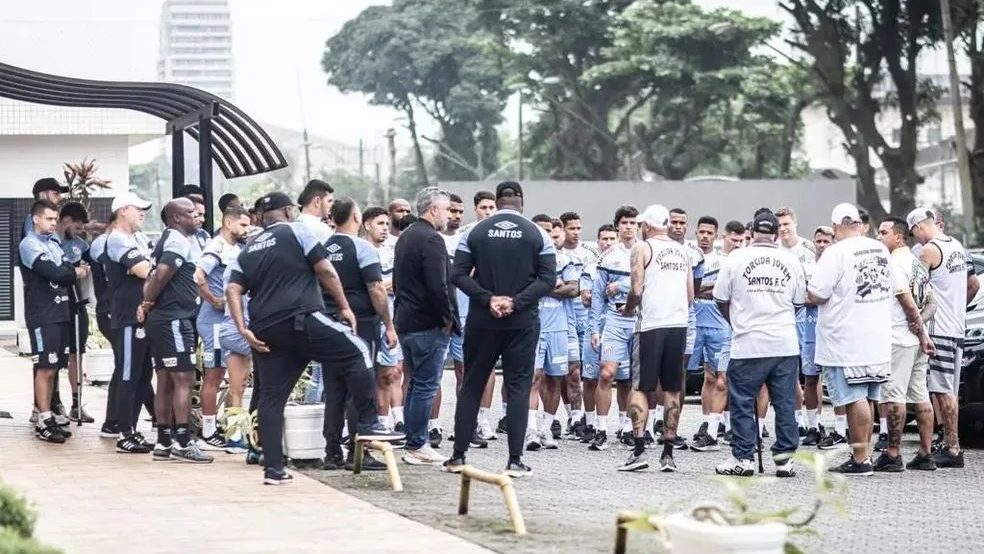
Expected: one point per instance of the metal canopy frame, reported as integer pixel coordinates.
(225, 134)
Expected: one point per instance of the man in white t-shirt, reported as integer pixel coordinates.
(911, 349)
(853, 287)
(758, 290)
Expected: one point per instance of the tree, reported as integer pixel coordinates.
(967, 16)
(863, 58)
(708, 101)
(426, 55)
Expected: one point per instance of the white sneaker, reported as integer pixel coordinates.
(423, 456)
(532, 440)
(732, 466)
(547, 441)
(485, 432)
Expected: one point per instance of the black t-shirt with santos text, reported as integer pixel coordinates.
(179, 298)
(276, 267)
(357, 263)
(123, 252)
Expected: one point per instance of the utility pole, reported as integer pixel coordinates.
(391, 182)
(963, 163)
(307, 157)
(519, 136)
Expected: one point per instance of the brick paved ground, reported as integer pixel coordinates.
(570, 502)
(92, 500)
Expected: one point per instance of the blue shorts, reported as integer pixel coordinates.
(551, 353)
(590, 359)
(575, 334)
(456, 348)
(211, 347)
(386, 357)
(843, 393)
(616, 346)
(725, 358)
(708, 343)
(808, 351)
(231, 342)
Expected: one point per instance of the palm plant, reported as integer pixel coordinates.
(82, 181)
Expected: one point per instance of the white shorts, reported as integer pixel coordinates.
(907, 383)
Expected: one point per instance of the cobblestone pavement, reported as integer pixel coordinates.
(570, 502)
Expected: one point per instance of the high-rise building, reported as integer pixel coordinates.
(196, 45)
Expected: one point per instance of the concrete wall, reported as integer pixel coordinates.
(26, 158)
(596, 201)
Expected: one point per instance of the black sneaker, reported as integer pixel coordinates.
(501, 427)
(379, 432)
(453, 465)
(50, 432)
(658, 427)
(576, 431)
(802, 431)
(400, 427)
(600, 441)
(888, 464)
(556, 430)
(131, 444)
(650, 440)
(679, 443)
(76, 413)
(253, 457)
(812, 437)
(478, 442)
(945, 458)
(939, 444)
(109, 431)
(854, 469)
(634, 463)
(435, 437)
(214, 443)
(588, 435)
(627, 438)
(368, 462)
(720, 431)
(143, 440)
(162, 453)
(881, 444)
(333, 462)
(728, 437)
(667, 464)
(276, 477)
(704, 442)
(517, 470)
(831, 441)
(922, 462)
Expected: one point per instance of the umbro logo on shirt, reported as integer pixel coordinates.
(505, 230)
(506, 225)
(262, 237)
(334, 247)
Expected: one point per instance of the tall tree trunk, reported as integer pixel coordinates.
(421, 169)
(977, 116)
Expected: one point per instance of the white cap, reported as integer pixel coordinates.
(917, 216)
(129, 199)
(656, 216)
(845, 211)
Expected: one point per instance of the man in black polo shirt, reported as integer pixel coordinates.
(514, 265)
(46, 275)
(169, 307)
(281, 269)
(356, 261)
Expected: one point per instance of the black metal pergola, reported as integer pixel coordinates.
(225, 134)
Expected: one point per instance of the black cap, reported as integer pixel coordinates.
(185, 190)
(502, 188)
(765, 222)
(273, 201)
(47, 183)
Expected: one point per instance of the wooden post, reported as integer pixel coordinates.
(505, 484)
(621, 533)
(387, 450)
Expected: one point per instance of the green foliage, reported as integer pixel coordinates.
(13, 543)
(81, 180)
(15, 515)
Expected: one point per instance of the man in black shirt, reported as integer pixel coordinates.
(356, 261)
(281, 269)
(426, 315)
(514, 265)
(127, 264)
(46, 275)
(169, 307)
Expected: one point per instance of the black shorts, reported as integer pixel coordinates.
(657, 359)
(83, 331)
(132, 352)
(49, 346)
(173, 344)
(368, 330)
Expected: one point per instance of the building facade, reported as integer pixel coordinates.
(196, 45)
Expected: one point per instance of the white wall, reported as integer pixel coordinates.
(24, 159)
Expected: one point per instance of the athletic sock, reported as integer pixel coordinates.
(650, 421)
(546, 420)
(623, 420)
(398, 414)
(639, 447)
(659, 413)
(883, 425)
(726, 418)
(576, 415)
(386, 421)
(667, 448)
(208, 425)
(531, 421)
(567, 410)
(712, 427)
(812, 419)
(800, 418)
(761, 427)
(602, 423)
(42, 417)
(483, 416)
(182, 435)
(840, 425)
(432, 424)
(163, 435)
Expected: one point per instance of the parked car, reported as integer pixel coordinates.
(972, 377)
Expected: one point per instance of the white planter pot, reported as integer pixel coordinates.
(24, 342)
(689, 536)
(98, 365)
(247, 396)
(303, 431)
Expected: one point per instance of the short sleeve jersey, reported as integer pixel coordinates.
(553, 311)
(123, 252)
(580, 256)
(179, 298)
(97, 252)
(613, 267)
(45, 301)
(357, 263)
(276, 268)
(706, 310)
(213, 262)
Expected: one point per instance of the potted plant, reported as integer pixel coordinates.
(739, 528)
(99, 360)
(304, 423)
(81, 180)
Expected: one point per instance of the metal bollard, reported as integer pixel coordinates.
(387, 450)
(505, 484)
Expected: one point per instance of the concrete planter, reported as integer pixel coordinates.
(689, 536)
(98, 366)
(303, 431)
